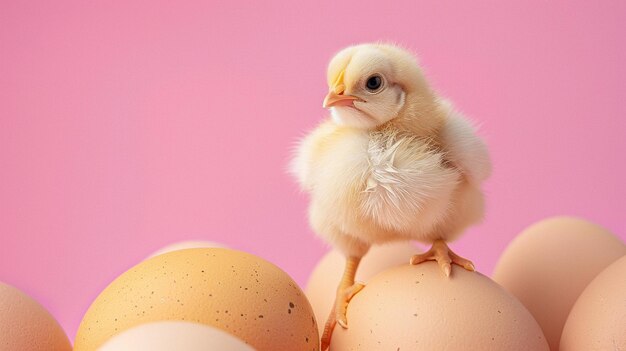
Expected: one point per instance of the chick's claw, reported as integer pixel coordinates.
(341, 303)
(338, 314)
(462, 261)
(441, 253)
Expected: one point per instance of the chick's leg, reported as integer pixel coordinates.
(441, 253)
(346, 290)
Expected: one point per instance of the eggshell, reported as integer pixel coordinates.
(237, 292)
(598, 319)
(26, 325)
(325, 278)
(550, 263)
(168, 336)
(419, 308)
(190, 244)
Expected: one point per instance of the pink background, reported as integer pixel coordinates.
(128, 126)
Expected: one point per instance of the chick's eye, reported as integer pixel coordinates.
(374, 83)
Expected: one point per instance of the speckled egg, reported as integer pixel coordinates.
(550, 263)
(189, 244)
(598, 319)
(174, 335)
(323, 282)
(26, 325)
(237, 292)
(419, 308)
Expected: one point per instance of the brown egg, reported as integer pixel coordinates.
(26, 325)
(419, 308)
(550, 263)
(598, 319)
(237, 292)
(323, 282)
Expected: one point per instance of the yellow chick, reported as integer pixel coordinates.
(393, 162)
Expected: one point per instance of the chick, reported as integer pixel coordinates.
(393, 162)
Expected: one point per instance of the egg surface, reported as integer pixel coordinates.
(26, 325)
(168, 336)
(598, 319)
(419, 308)
(325, 278)
(237, 292)
(550, 263)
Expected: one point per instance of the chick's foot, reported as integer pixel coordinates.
(441, 253)
(338, 313)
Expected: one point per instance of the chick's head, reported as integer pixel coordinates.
(372, 84)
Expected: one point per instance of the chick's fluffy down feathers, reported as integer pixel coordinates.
(371, 187)
(464, 148)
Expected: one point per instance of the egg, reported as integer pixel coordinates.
(419, 308)
(26, 325)
(168, 336)
(323, 282)
(231, 290)
(189, 244)
(598, 319)
(550, 263)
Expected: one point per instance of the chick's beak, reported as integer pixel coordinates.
(335, 99)
(336, 95)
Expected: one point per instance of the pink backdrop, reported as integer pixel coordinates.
(127, 126)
